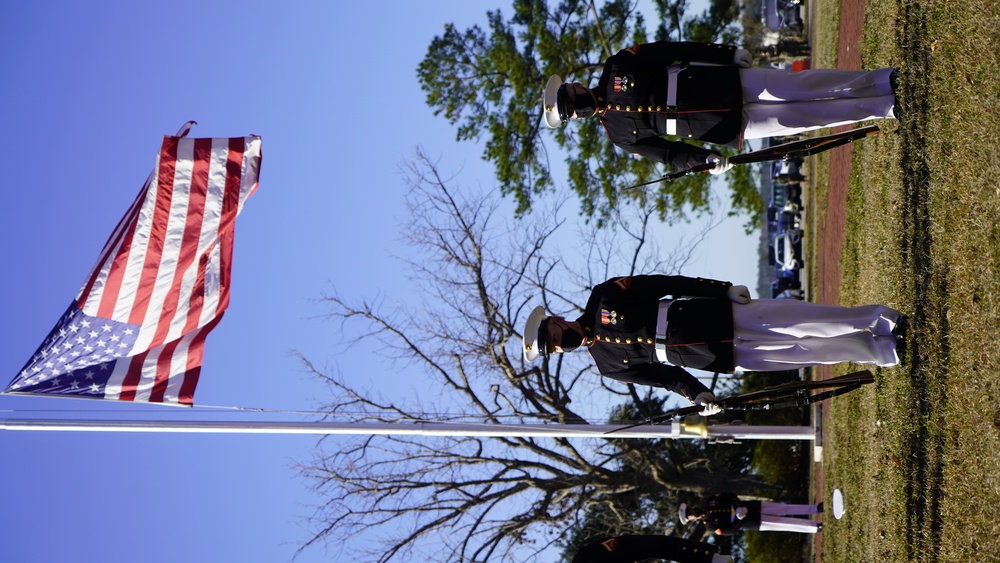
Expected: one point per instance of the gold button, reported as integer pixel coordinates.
(640, 108)
(634, 132)
(659, 108)
(609, 106)
(628, 341)
(628, 108)
(618, 339)
(625, 360)
(618, 106)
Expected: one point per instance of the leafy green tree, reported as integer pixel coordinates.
(488, 82)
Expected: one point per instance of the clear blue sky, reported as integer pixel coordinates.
(88, 89)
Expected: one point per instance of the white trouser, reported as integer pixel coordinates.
(784, 524)
(780, 102)
(775, 334)
(773, 517)
(782, 509)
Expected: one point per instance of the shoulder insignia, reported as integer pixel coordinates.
(623, 282)
(610, 545)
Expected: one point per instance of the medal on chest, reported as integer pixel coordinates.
(622, 84)
(609, 317)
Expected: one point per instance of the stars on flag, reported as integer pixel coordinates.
(72, 361)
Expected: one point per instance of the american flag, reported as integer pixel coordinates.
(136, 331)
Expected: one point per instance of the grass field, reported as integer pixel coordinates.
(918, 454)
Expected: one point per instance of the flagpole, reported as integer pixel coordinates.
(676, 430)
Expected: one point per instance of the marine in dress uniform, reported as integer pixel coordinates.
(708, 92)
(629, 549)
(725, 514)
(646, 329)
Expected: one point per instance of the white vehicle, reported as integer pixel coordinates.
(784, 250)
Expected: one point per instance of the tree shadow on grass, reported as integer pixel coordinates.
(927, 343)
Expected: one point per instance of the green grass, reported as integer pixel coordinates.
(918, 455)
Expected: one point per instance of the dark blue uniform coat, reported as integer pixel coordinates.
(620, 324)
(632, 100)
(720, 514)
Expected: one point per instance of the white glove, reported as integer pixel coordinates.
(742, 58)
(706, 400)
(721, 164)
(716, 558)
(738, 294)
(742, 512)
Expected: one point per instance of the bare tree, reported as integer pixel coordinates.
(486, 499)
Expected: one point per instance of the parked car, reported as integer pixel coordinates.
(787, 243)
(786, 287)
(784, 252)
(787, 171)
(780, 15)
(787, 278)
(786, 198)
(784, 219)
(790, 294)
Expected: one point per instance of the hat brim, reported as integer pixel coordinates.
(530, 334)
(550, 102)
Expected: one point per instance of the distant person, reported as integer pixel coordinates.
(725, 513)
(637, 334)
(708, 92)
(630, 549)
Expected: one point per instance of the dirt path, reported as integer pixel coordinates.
(852, 19)
(831, 244)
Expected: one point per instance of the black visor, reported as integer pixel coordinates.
(562, 102)
(543, 338)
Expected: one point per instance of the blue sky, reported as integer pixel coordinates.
(88, 91)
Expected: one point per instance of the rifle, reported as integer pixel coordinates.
(785, 395)
(794, 149)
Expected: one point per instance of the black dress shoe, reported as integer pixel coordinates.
(902, 327)
(897, 110)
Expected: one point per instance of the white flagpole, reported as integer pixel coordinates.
(677, 429)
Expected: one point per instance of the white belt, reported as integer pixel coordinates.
(672, 73)
(661, 330)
